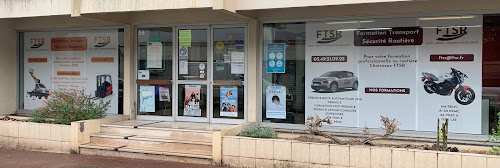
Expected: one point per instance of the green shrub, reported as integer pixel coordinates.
(495, 137)
(258, 132)
(66, 106)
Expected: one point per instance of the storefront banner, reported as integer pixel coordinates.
(147, 99)
(71, 60)
(332, 72)
(276, 102)
(164, 93)
(154, 53)
(387, 72)
(192, 100)
(457, 44)
(396, 68)
(275, 57)
(229, 101)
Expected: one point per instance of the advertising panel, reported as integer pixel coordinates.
(276, 102)
(449, 74)
(147, 99)
(192, 100)
(411, 69)
(229, 101)
(71, 60)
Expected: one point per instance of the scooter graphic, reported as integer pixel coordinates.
(444, 85)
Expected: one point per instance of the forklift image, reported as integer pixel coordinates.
(40, 89)
(104, 86)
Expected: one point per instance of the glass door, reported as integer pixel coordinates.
(193, 73)
(229, 69)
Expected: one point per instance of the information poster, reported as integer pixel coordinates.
(275, 57)
(276, 102)
(185, 38)
(451, 51)
(237, 62)
(147, 98)
(192, 100)
(154, 54)
(164, 93)
(410, 69)
(229, 101)
(143, 74)
(71, 60)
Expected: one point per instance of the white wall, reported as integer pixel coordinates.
(30, 8)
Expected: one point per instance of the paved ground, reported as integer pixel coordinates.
(29, 159)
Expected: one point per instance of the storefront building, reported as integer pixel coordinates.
(268, 62)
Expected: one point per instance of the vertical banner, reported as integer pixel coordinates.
(192, 100)
(387, 65)
(229, 101)
(450, 74)
(164, 93)
(147, 99)
(275, 57)
(276, 102)
(331, 72)
(71, 60)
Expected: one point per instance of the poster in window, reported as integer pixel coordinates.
(192, 100)
(276, 102)
(185, 38)
(164, 93)
(71, 60)
(147, 98)
(154, 55)
(275, 57)
(229, 101)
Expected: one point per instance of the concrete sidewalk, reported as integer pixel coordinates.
(12, 158)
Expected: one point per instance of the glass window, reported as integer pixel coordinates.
(293, 35)
(491, 64)
(160, 70)
(195, 66)
(229, 69)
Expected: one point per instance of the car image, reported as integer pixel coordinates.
(335, 80)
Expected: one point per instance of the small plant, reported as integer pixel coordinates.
(442, 134)
(66, 106)
(258, 132)
(495, 137)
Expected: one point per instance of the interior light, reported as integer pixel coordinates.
(451, 26)
(351, 22)
(449, 17)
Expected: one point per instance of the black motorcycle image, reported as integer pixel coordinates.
(444, 85)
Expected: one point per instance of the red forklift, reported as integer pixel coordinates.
(104, 86)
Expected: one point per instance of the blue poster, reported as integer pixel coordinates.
(276, 57)
(147, 96)
(229, 101)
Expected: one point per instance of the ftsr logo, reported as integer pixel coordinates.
(328, 36)
(37, 42)
(450, 33)
(102, 41)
